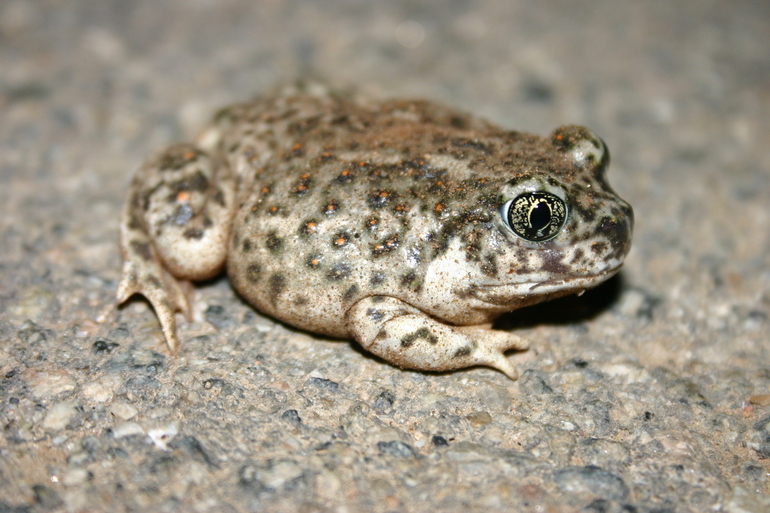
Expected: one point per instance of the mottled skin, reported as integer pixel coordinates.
(385, 222)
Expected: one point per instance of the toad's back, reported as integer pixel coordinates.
(341, 201)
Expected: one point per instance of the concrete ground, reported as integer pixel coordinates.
(648, 394)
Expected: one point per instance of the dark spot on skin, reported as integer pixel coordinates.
(313, 261)
(598, 247)
(303, 185)
(276, 285)
(331, 208)
(340, 240)
(459, 122)
(193, 233)
(386, 245)
(423, 333)
(339, 272)
(340, 120)
(618, 234)
(155, 281)
(462, 142)
(179, 156)
(273, 242)
(378, 299)
(377, 279)
(578, 256)
(143, 249)
(309, 227)
(411, 281)
(350, 293)
(246, 245)
(489, 265)
(301, 301)
(588, 215)
(181, 215)
(463, 351)
(252, 272)
(381, 335)
(303, 126)
(197, 182)
(374, 314)
(372, 223)
(401, 209)
(345, 177)
(135, 223)
(137, 197)
(379, 199)
(219, 197)
(552, 262)
(297, 150)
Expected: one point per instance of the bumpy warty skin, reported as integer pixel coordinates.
(388, 222)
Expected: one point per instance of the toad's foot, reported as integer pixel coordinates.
(407, 337)
(175, 228)
(166, 294)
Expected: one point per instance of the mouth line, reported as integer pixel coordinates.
(533, 286)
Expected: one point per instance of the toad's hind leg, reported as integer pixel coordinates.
(407, 337)
(174, 229)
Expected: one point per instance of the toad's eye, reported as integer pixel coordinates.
(535, 216)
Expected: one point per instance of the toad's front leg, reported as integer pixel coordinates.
(407, 337)
(174, 229)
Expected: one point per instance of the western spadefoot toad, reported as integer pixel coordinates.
(405, 225)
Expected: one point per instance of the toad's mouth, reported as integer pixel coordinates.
(535, 291)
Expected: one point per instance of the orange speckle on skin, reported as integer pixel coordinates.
(439, 207)
(189, 155)
(265, 189)
(273, 209)
(304, 176)
(340, 241)
(183, 196)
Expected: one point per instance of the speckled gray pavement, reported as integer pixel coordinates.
(648, 394)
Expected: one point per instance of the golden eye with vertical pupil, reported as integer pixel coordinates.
(535, 216)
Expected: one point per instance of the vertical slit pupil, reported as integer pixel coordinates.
(540, 215)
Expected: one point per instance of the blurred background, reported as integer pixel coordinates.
(665, 389)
